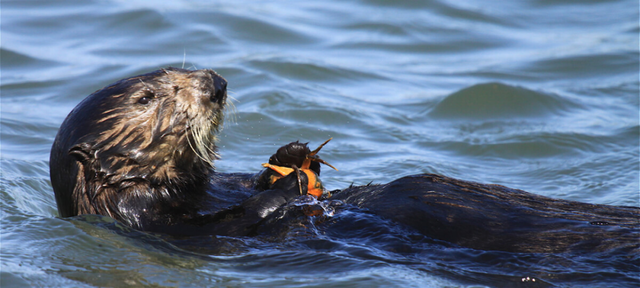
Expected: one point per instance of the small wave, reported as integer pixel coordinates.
(304, 69)
(581, 66)
(498, 101)
(15, 60)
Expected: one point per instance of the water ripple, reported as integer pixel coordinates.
(538, 95)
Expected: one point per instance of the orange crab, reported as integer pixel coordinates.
(314, 187)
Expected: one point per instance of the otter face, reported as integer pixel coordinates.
(162, 125)
(155, 130)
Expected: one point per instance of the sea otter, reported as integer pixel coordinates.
(141, 151)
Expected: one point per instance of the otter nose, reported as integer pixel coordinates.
(214, 84)
(219, 93)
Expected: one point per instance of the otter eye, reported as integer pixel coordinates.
(146, 97)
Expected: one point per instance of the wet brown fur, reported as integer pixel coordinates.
(136, 161)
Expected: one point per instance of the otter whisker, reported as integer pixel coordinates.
(184, 56)
(198, 147)
(144, 84)
(206, 129)
(231, 107)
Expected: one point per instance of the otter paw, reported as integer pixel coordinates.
(313, 184)
(296, 157)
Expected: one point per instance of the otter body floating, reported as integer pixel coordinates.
(141, 151)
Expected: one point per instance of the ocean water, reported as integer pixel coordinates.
(537, 95)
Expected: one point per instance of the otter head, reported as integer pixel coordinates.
(140, 145)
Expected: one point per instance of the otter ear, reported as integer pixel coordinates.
(82, 152)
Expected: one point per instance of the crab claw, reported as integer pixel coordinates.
(285, 161)
(312, 156)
